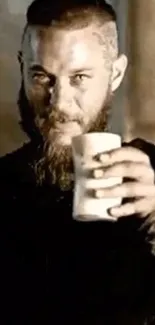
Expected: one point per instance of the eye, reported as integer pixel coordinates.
(79, 78)
(40, 77)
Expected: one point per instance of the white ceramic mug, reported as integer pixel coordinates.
(84, 148)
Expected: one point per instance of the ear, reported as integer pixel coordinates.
(118, 71)
(20, 60)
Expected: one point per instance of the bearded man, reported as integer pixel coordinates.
(54, 269)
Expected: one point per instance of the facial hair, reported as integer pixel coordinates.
(54, 163)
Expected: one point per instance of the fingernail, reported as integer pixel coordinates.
(104, 158)
(98, 173)
(99, 194)
(114, 211)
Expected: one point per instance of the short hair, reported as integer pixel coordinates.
(76, 14)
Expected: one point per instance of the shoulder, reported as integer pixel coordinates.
(15, 172)
(12, 163)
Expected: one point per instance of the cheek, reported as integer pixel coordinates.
(35, 93)
(91, 100)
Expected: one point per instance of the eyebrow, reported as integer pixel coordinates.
(81, 70)
(37, 67)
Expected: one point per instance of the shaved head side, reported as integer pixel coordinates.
(72, 16)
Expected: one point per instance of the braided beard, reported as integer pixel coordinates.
(54, 162)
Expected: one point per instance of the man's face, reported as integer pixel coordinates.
(67, 83)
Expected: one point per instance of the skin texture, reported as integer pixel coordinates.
(69, 95)
(74, 69)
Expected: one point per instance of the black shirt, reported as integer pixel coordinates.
(55, 270)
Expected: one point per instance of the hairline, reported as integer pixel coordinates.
(101, 38)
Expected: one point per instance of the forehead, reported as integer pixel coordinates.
(64, 47)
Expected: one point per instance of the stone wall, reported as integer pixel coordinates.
(11, 24)
(140, 86)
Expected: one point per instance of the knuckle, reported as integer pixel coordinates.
(125, 210)
(133, 189)
(149, 174)
(128, 209)
(126, 189)
(129, 166)
(114, 190)
(153, 194)
(146, 158)
(152, 174)
(118, 168)
(132, 209)
(143, 207)
(139, 206)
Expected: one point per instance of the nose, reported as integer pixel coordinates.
(61, 98)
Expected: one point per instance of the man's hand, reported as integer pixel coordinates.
(134, 164)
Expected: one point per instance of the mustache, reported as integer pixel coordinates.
(62, 117)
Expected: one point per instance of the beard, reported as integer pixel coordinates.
(54, 163)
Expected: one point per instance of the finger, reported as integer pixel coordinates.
(123, 154)
(142, 207)
(126, 190)
(139, 171)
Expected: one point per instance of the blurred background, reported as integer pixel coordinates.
(133, 113)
